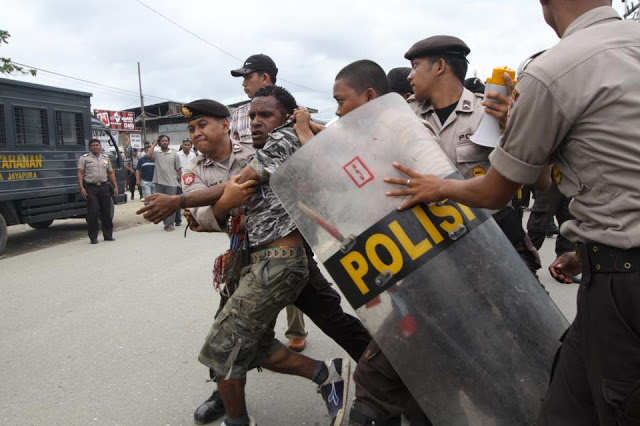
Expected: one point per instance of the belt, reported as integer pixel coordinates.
(96, 184)
(277, 253)
(603, 258)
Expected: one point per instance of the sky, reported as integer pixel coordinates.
(102, 42)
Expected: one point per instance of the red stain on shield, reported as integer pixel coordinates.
(358, 172)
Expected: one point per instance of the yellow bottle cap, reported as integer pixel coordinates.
(498, 76)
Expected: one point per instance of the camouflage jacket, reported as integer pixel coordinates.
(266, 218)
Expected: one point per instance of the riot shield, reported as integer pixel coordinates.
(443, 292)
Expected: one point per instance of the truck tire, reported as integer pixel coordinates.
(41, 225)
(4, 233)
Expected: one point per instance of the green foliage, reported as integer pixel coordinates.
(6, 66)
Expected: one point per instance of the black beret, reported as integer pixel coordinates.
(441, 44)
(204, 108)
(398, 80)
(474, 84)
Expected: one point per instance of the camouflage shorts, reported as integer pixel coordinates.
(242, 335)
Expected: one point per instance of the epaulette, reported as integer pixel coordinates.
(85, 155)
(524, 64)
(236, 147)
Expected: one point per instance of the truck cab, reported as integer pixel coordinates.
(43, 132)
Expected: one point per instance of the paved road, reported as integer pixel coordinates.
(91, 337)
(24, 239)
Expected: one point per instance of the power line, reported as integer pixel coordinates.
(221, 49)
(125, 91)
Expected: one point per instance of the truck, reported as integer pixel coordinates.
(43, 132)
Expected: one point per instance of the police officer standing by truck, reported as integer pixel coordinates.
(93, 170)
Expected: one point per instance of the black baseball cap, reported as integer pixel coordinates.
(257, 62)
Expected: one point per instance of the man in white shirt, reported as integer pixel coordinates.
(186, 155)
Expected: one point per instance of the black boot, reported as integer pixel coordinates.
(210, 410)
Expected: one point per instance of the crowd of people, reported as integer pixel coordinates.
(568, 125)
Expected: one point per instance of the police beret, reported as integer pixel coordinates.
(441, 44)
(398, 80)
(204, 108)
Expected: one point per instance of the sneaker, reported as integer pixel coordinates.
(335, 389)
(251, 422)
(210, 410)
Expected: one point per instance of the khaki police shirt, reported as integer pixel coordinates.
(96, 169)
(203, 172)
(453, 136)
(579, 108)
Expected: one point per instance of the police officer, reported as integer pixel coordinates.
(93, 170)
(218, 158)
(439, 65)
(578, 108)
(548, 204)
(398, 82)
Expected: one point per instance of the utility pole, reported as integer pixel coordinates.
(143, 115)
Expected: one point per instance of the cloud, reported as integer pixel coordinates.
(310, 42)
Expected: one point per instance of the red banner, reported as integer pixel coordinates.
(118, 120)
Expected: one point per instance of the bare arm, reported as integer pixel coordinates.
(302, 125)
(161, 206)
(112, 177)
(492, 191)
(83, 191)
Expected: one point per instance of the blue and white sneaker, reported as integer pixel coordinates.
(336, 388)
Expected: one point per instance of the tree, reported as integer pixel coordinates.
(8, 67)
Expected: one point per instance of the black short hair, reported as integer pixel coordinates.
(457, 63)
(94, 140)
(364, 74)
(282, 95)
(271, 75)
(164, 136)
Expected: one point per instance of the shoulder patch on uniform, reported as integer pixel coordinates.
(557, 175)
(188, 178)
(478, 171)
(466, 105)
(236, 147)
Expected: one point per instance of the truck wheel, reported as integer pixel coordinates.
(41, 225)
(4, 233)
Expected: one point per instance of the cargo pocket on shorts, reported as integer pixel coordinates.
(624, 398)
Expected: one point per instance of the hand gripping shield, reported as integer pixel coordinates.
(466, 325)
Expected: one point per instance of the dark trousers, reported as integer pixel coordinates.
(378, 386)
(321, 303)
(99, 206)
(132, 185)
(597, 378)
(178, 214)
(548, 204)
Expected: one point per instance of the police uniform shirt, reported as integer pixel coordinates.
(203, 172)
(453, 136)
(96, 169)
(578, 108)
